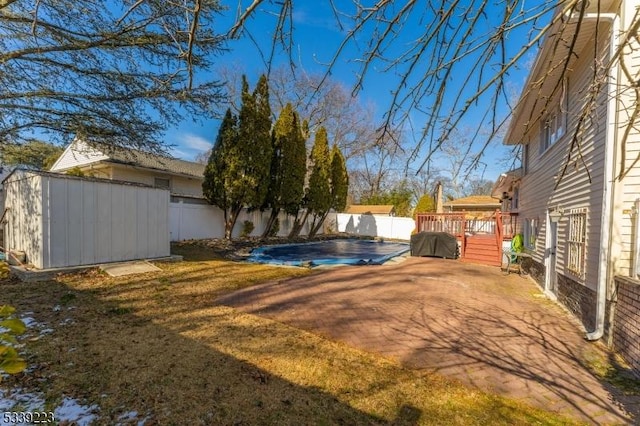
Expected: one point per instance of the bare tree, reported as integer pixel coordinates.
(322, 102)
(118, 72)
(452, 61)
(378, 167)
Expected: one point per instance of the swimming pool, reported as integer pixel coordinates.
(330, 252)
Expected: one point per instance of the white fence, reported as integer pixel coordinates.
(374, 226)
(198, 221)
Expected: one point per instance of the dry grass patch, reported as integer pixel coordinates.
(158, 344)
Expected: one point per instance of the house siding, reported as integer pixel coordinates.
(180, 185)
(628, 189)
(581, 186)
(77, 154)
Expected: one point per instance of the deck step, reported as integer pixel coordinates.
(482, 249)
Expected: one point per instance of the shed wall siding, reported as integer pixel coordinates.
(98, 222)
(581, 186)
(23, 229)
(62, 221)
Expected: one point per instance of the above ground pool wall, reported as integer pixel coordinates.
(63, 221)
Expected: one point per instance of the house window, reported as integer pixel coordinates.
(554, 128)
(576, 241)
(162, 183)
(530, 232)
(515, 198)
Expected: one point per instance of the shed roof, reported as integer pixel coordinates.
(385, 209)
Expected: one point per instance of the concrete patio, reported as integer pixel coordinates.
(468, 322)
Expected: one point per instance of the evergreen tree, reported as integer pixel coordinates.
(258, 145)
(339, 180)
(319, 191)
(220, 186)
(34, 153)
(288, 167)
(237, 174)
(338, 188)
(426, 204)
(400, 196)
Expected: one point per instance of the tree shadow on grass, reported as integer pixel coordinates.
(139, 345)
(103, 352)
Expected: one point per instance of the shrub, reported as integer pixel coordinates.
(426, 204)
(247, 229)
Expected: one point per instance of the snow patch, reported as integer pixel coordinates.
(69, 410)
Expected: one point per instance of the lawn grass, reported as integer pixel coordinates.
(158, 345)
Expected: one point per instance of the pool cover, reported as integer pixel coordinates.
(331, 252)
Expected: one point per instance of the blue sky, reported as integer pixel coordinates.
(316, 38)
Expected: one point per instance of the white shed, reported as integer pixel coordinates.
(63, 221)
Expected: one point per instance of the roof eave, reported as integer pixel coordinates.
(518, 130)
(154, 169)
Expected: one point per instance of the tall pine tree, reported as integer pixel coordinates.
(237, 174)
(339, 180)
(338, 188)
(318, 195)
(288, 167)
(258, 145)
(220, 186)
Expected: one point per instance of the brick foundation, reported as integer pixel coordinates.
(626, 323)
(580, 300)
(577, 298)
(622, 316)
(534, 269)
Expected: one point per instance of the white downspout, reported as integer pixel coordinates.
(609, 170)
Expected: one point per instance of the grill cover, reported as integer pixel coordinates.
(436, 244)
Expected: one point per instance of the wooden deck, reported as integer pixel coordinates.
(480, 239)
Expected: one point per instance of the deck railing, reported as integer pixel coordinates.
(451, 223)
(501, 224)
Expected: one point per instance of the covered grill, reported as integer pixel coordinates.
(435, 244)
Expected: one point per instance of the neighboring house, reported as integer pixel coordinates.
(376, 210)
(507, 191)
(574, 209)
(473, 206)
(182, 178)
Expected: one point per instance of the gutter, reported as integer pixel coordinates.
(609, 177)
